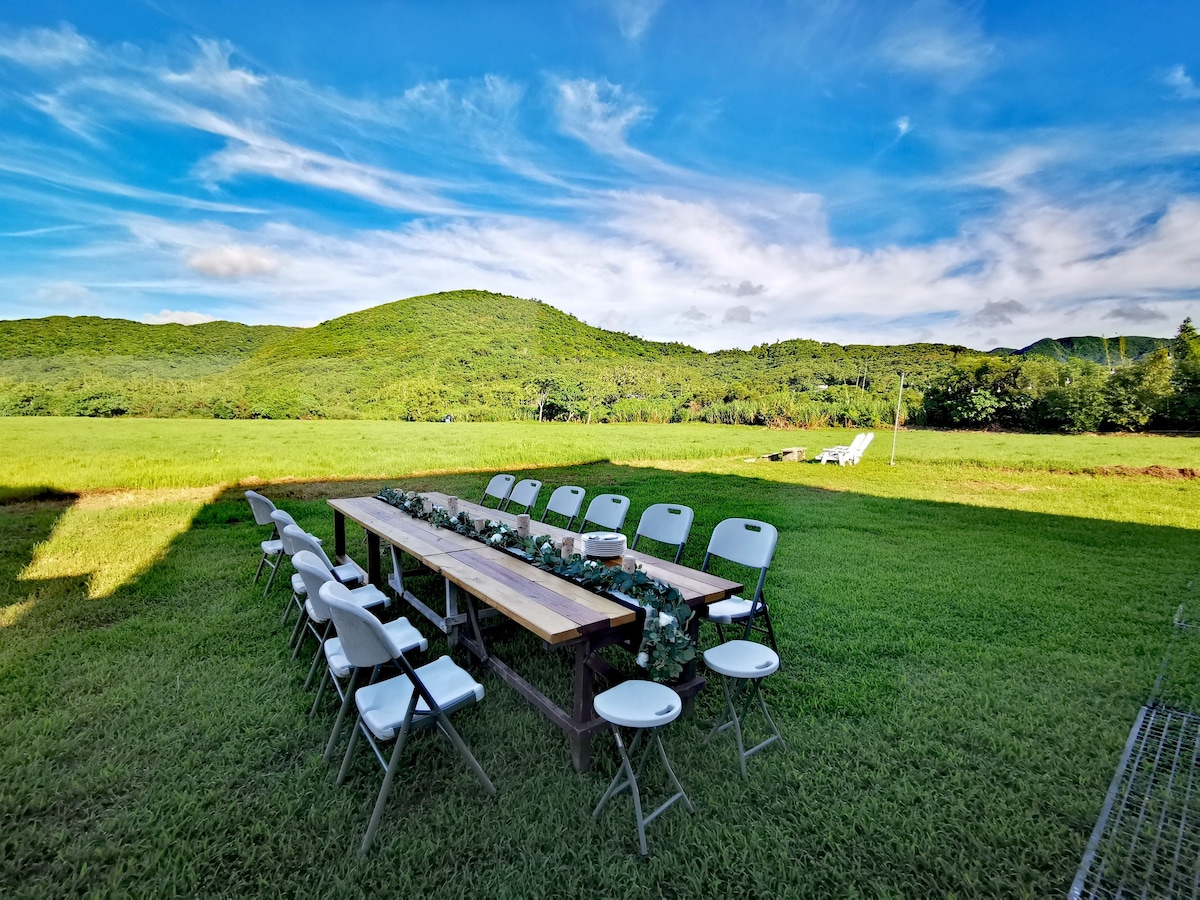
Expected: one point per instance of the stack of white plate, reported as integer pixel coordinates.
(604, 544)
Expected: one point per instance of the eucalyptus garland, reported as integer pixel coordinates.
(666, 645)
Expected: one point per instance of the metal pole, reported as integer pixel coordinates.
(896, 428)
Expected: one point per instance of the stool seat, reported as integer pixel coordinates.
(742, 659)
(638, 704)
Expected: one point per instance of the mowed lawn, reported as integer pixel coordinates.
(967, 637)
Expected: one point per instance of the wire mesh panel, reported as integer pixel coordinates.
(1146, 842)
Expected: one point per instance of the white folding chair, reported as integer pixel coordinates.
(667, 523)
(749, 543)
(566, 501)
(524, 494)
(499, 487)
(743, 665)
(272, 547)
(606, 510)
(392, 709)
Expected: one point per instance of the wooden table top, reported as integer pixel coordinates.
(695, 586)
(554, 609)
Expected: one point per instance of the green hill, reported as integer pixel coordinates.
(470, 354)
(1106, 351)
(94, 336)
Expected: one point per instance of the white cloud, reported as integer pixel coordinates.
(599, 114)
(211, 72)
(937, 38)
(182, 317)
(234, 261)
(903, 126)
(634, 16)
(45, 48)
(1181, 83)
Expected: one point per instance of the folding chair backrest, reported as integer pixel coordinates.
(363, 639)
(607, 511)
(302, 540)
(261, 507)
(524, 493)
(499, 487)
(566, 501)
(282, 520)
(747, 542)
(315, 576)
(667, 523)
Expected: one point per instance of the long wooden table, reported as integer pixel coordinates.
(559, 612)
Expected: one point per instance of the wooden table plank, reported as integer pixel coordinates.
(417, 538)
(696, 587)
(475, 571)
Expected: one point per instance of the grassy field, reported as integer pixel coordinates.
(967, 637)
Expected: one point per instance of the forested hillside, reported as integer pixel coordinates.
(476, 355)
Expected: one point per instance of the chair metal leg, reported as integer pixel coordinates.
(325, 679)
(342, 772)
(385, 789)
(319, 655)
(459, 745)
(347, 699)
(745, 690)
(274, 569)
(647, 739)
(258, 572)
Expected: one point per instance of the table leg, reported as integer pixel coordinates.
(582, 714)
(374, 569)
(689, 670)
(339, 536)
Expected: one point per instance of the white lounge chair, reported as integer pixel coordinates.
(847, 454)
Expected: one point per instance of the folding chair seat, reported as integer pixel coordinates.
(645, 707)
(272, 547)
(606, 510)
(666, 523)
(524, 494)
(743, 665)
(749, 543)
(499, 488)
(566, 501)
(347, 573)
(392, 709)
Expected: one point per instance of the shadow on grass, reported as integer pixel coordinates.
(958, 684)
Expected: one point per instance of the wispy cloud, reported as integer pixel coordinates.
(1178, 80)
(234, 261)
(938, 38)
(212, 73)
(46, 48)
(635, 16)
(600, 114)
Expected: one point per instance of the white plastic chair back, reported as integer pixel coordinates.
(499, 487)
(315, 576)
(747, 542)
(566, 501)
(261, 507)
(302, 540)
(363, 639)
(668, 523)
(607, 511)
(282, 520)
(524, 493)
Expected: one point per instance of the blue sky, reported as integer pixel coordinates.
(722, 174)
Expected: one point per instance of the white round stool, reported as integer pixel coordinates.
(744, 664)
(645, 706)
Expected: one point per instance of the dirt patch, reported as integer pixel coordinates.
(1169, 472)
